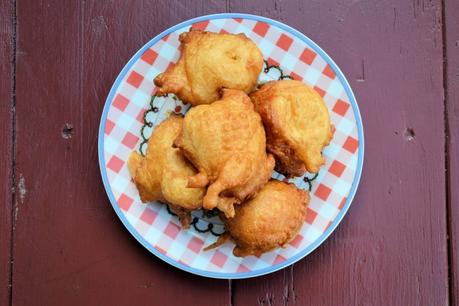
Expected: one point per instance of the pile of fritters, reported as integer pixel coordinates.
(221, 154)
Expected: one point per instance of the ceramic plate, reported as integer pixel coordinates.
(131, 113)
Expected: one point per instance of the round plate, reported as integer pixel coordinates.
(156, 228)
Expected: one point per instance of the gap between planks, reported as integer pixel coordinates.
(448, 203)
(13, 145)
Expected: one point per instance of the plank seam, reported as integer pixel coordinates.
(230, 292)
(447, 160)
(13, 146)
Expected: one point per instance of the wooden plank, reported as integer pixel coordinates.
(6, 149)
(70, 248)
(391, 247)
(451, 15)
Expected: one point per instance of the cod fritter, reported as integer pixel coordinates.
(209, 62)
(226, 142)
(162, 175)
(297, 125)
(268, 221)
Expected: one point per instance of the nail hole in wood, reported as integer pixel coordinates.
(67, 131)
(409, 134)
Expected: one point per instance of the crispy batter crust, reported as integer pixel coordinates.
(268, 221)
(209, 62)
(162, 175)
(297, 125)
(226, 143)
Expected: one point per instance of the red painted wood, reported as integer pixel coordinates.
(451, 12)
(6, 73)
(391, 247)
(70, 248)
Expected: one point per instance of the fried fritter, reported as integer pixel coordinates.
(208, 62)
(297, 125)
(162, 175)
(226, 142)
(268, 221)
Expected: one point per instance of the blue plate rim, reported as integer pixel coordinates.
(289, 261)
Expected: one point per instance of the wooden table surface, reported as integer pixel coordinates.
(61, 243)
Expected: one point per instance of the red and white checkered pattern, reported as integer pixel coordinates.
(153, 222)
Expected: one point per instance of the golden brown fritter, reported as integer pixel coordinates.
(208, 62)
(268, 221)
(162, 175)
(297, 125)
(226, 142)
